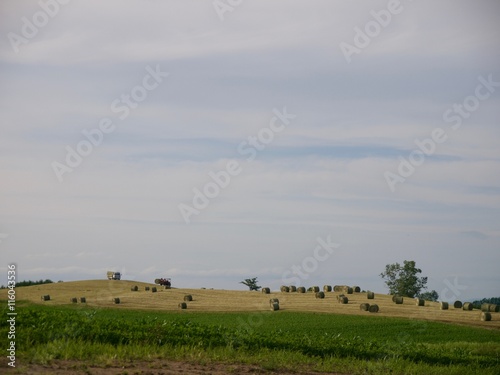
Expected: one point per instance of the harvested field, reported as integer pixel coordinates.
(100, 293)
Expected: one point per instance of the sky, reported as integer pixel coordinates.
(300, 142)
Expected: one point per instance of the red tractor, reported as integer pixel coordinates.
(164, 282)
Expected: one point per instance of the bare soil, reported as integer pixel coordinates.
(156, 367)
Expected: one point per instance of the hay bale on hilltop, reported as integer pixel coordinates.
(419, 301)
(83, 300)
(370, 295)
(398, 300)
(356, 289)
(467, 306)
(339, 297)
(183, 305)
(153, 290)
(349, 290)
(273, 300)
(338, 288)
(266, 290)
(275, 306)
(46, 297)
(344, 300)
(443, 305)
(146, 288)
(364, 307)
(293, 288)
(284, 289)
(457, 304)
(320, 295)
(188, 297)
(493, 308)
(74, 300)
(485, 307)
(314, 289)
(116, 300)
(301, 289)
(373, 309)
(394, 297)
(327, 288)
(485, 316)
(135, 288)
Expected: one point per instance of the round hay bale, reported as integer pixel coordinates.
(183, 306)
(188, 297)
(146, 288)
(485, 316)
(74, 300)
(266, 290)
(373, 309)
(419, 301)
(273, 300)
(320, 295)
(135, 288)
(398, 300)
(485, 307)
(275, 306)
(157, 281)
(394, 297)
(46, 298)
(314, 289)
(301, 289)
(327, 288)
(492, 308)
(443, 305)
(83, 300)
(457, 304)
(349, 290)
(497, 308)
(284, 289)
(153, 290)
(467, 306)
(356, 289)
(339, 297)
(364, 307)
(116, 300)
(344, 300)
(370, 295)
(293, 288)
(338, 288)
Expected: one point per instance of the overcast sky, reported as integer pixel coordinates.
(337, 95)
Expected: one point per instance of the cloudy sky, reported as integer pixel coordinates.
(371, 125)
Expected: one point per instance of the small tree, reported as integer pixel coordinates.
(429, 296)
(404, 280)
(251, 283)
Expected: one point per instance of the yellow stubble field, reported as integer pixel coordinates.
(101, 293)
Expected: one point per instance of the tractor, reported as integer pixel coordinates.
(164, 282)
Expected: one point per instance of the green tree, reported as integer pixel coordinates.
(429, 296)
(251, 283)
(403, 279)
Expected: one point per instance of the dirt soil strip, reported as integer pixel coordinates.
(154, 367)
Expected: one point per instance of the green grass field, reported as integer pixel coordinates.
(279, 340)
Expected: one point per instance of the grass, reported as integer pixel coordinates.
(273, 340)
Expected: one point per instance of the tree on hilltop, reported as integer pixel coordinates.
(403, 279)
(251, 284)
